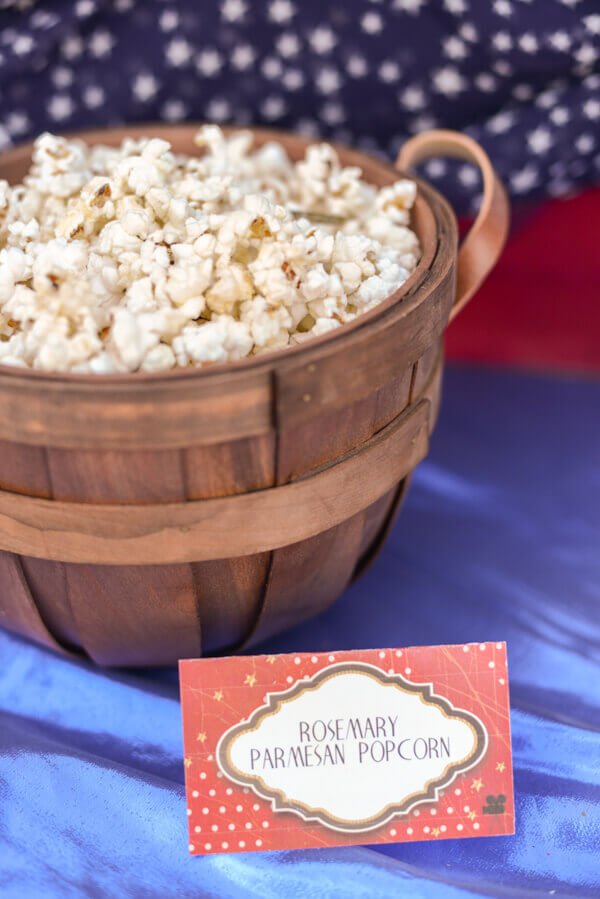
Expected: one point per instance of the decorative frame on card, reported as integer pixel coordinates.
(279, 703)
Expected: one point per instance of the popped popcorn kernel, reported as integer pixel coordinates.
(137, 259)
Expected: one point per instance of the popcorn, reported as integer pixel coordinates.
(216, 341)
(159, 358)
(234, 286)
(135, 259)
(133, 337)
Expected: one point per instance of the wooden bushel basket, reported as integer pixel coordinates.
(150, 517)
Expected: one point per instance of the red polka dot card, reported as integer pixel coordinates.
(332, 749)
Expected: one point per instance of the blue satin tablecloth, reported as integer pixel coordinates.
(499, 540)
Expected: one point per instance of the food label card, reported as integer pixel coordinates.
(331, 749)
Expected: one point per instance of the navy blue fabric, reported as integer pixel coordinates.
(498, 540)
(522, 76)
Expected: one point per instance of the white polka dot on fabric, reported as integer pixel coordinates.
(301, 69)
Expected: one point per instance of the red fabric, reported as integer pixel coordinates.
(541, 305)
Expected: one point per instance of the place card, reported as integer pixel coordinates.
(329, 749)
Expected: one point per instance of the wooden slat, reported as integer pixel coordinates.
(329, 436)
(374, 518)
(113, 476)
(48, 584)
(217, 528)
(226, 469)
(369, 550)
(119, 611)
(185, 408)
(308, 577)
(390, 400)
(230, 591)
(434, 391)
(380, 518)
(24, 469)
(230, 594)
(128, 615)
(18, 611)
(425, 369)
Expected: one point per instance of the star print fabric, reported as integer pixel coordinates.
(521, 76)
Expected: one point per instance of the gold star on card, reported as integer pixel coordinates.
(201, 737)
(187, 762)
(500, 766)
(435, 832)
(271, 659)
(250, 680)
(472, 816)
(218, 695)
(477, 785)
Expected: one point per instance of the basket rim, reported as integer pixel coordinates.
(269, 360)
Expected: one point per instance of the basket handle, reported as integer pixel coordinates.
(482, 246)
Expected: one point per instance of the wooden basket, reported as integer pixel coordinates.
(150, 517)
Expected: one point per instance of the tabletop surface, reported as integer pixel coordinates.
(498, 540)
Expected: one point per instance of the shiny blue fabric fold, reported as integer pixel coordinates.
(498, 540)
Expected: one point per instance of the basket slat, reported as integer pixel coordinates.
(47, 582)
(126, 616)
(120, 613)
(306, 577)
(19, 611)
(230, 595)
